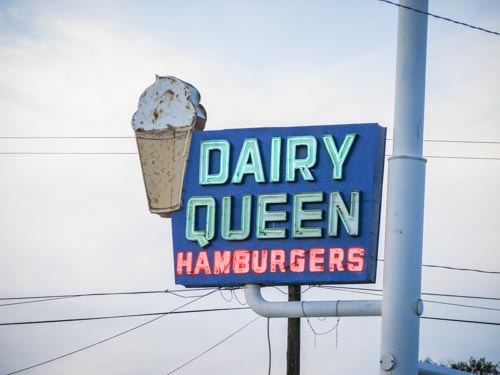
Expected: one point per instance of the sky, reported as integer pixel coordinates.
(79, 223)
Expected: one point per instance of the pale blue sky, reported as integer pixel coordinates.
(80, 223)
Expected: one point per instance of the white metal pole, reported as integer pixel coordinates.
(401, 306)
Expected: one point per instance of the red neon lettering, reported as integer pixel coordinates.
(355, 259)
(297, 262)
(222, 261)
(316, 259)
(241, 261)
(186, 263)
(277, 260)
(259, 267)
(335, 259)
(202, 264)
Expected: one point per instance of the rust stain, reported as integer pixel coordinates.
(169, 94)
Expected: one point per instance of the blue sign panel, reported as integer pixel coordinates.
(280, 206)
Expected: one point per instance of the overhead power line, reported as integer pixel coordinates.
(486, 298)
(442, 18)
(456, 141)
(462, 305)
(67, 137)
(213, 346)
(379, 294)
(120, 316)
(461, 320)
(461, 269)
(110, 337)
(456, 268)
(66, 153)
(218, 343)
(136, 153)
(124, 137)
(33, 301)
(460, 157)
(98, 294)
(179, 292)
(71, 320)
(376, 292)
(461, 296)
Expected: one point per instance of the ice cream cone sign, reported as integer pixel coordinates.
(168, 112)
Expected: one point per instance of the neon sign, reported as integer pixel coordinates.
(296, 205)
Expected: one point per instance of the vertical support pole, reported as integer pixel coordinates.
(293, 342)
(401, 306)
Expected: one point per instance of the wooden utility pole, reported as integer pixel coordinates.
(293, 343)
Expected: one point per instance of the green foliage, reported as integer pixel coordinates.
(474, 366)
(477, 366)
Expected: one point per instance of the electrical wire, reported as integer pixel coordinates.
(316, 333)
(212, 347)
(269, 347)
(131, 137)
(66, 137)
(461, 157)
(455, 157)
(442, 18)
(227, 299)
(461, 296)
(455, 141)
(35, 301)
(238, 300)
(423, 293)
(227, 309)
(447, 319)
(98, 294)
(461, 305)
(67, 153)
(175, 292)
(175, 311)
(460, 320)
(121, 316)
(455, 268)
(136, 153)
(109, 338)
(461, 269)
(379, 294)
(178, 292)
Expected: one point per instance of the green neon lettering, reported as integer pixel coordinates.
(338, 157)
(203, 237)
(304, 164)
(264, 216)
(249, 162)
(275, 159)
(350, 219)
(206, 148)
(300, 215)
(246, 208)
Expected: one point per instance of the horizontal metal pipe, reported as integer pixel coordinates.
(306, 309)
(430, 369)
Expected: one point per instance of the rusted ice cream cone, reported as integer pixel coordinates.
(167, 114)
